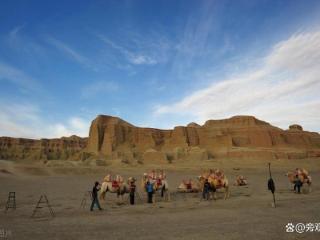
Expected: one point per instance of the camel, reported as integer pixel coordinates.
(240, 181)
(217, 180)
(159, 183)
(303, 175)
(117, 186)
(188, 187)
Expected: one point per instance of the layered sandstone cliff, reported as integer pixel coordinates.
(240, 136)
(44, 149)
(111, 138)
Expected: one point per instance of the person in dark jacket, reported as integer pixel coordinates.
(297, 184)
(149, 189)
(132, 190)
(206, 190)
(95, 200)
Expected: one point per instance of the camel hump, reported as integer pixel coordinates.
(107, 178)
(119, 178)
(304, 171)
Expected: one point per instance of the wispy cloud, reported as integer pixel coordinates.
(141, 59)
(283, 89)
(14, 119)
(155, 84)
(26, 46)
(99, 87)
(26, 120)
(17, 77)
(70, 52)
(73, 126)
(194, 39)
(13, 34)
(136, 58)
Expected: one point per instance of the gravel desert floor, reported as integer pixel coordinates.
(247, 214)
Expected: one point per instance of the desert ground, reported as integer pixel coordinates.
(247, 214)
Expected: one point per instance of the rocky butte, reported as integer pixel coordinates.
(113, 139)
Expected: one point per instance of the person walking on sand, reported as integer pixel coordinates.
(95, 200)
(132, 191)
(149, 189)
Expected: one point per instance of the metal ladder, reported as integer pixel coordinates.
(11, 202)
(87, 194)
(43, 200)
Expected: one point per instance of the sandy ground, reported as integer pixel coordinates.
(247, 214)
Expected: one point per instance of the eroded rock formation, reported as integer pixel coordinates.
(236, 137)
(44, 149)
(111, 138)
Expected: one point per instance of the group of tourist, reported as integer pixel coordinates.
(151, 179)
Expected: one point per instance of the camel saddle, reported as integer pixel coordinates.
(219, 180)
(115, 184)
(159, 182)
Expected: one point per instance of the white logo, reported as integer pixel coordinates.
(300, 227)
(290, 227)
(309, 227)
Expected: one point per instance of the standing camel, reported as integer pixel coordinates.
(117, 186)
(159, 184)
(217, 180)
(303, 175)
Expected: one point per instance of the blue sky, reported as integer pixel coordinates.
(156, 63)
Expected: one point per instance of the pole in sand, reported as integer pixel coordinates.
(271, 186)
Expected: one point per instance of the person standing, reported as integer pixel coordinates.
(95, 200)
(149, 189)
(297, 184)
(132, 191)
(206, 190)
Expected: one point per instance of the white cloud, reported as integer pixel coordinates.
(13, 34)
(98, 87)
(24, 120)
(300, 52)
(73, 126)
(194, 40)
(285, 88)
(141, 59)
(78, 123)
(27, 47)
(71, 53)
(17, 77)
(136, 58)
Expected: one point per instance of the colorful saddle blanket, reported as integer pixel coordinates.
(115, 184)
(159, 182)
